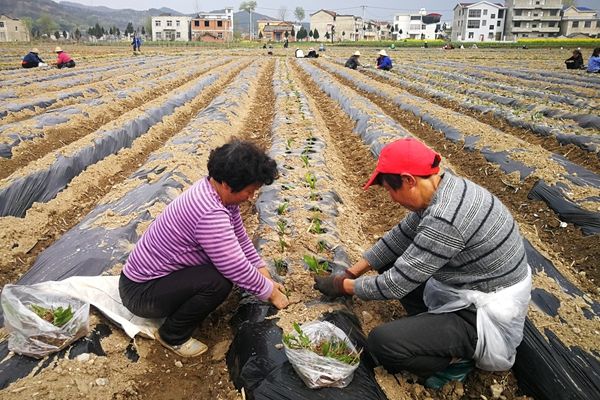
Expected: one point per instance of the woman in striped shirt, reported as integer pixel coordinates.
(184, 265)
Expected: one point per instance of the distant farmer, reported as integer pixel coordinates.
(457, 264)
(63, 60)
(286, 43)
(594, 61)
(299, 53)
(312, 53)
(383, 61)
(136, 43)
(33, 60)
(353, 62)
(575, 61)
(185, 264)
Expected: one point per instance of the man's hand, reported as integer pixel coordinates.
(331, 286)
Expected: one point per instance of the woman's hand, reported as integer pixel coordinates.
(278, 299)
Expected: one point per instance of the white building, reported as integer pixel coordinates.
(478, 22)
(168, 27)
(532, 18)
(417, 25)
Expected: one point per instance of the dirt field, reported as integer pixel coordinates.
(75, 143)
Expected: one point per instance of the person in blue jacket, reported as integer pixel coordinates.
(32, 60)
(594, 61)
(383, 61)
(136, 43)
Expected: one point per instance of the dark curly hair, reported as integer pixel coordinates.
(241, 163)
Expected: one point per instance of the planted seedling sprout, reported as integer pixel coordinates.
(282, 208)
(281, 226)
(315, 226)
(305, 160)
(316, 266)
(280, 266)
(311, 180)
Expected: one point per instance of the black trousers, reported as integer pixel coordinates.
(424, 343)
(184, 297)
(68, 64)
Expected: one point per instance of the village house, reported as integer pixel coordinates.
(579, 22)
(13, 30)
(340, 27)
(213, 27)
(478, 22)
(419, 25)
(169, 27)
(275, 31)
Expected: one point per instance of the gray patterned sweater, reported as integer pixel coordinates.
(466, 238)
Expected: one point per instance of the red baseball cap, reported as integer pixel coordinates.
(406, 156)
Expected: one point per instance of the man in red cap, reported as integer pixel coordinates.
(457, 264)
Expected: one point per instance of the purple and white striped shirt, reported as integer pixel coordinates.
(197, 229)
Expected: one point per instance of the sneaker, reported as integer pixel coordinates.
(455, 372)
(191, 348)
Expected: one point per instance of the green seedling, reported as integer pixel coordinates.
(282, 244)
(305, 160)
(315, 226)
(335, 348)
(282, 208)
(311, 180)
(281, 226)
(288, 144)
(56, 316)
(321, 246)
(314, 196)
(280, 266)
(316, 266)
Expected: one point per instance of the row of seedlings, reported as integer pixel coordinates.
(537, 121)
(26, 105)
(580, 310)
(42, 180)
(70, 122)
(528, 109)
(23, 239)
(299, 235)
(570, 190)
(101, 242)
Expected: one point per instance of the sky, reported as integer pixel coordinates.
(373, 9)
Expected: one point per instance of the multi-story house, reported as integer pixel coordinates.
(417, 25)
(579, 21)
(532, 18)
(478, 22)
(13, 30)
(340, 27)
(375, 30)
(213, 27)
(169, 27)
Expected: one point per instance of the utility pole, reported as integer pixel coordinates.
(363, 21)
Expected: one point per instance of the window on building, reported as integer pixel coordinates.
(553, 12)
(483, 23)
(473, 24)
(159, 35)
(491, 36)
(156, 23)
(518, 13)
(517, 24)
(474, 13)
(541, 35)
(16, 28)
(551, 24)
(498, 23)
(423, 27)
(178, 35)
(206, 24)
(177, 23)
(415, 17)
(220, 24)
(588, 24)
(491, 27)
(534, 25)
(484, 12)
(196, 23)
(220, 35)
(169, 23)
(493, 16)
(471, 35)
(500, 13)
(525, 35)
(535, 14)
(1, 24)
(575, 24)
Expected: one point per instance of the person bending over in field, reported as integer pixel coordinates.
(63, 60)
(353, 62)
(594, 61)
(383, 61)
(184, 265)
(457, 264)
(33, 60)
(575, 61)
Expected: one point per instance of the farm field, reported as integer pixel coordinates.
(90, 155)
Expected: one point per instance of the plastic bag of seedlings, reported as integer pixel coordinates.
(40, 322)
(321, 354)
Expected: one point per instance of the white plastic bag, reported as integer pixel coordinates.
(500, 318)
(33, 336)
(315, 370)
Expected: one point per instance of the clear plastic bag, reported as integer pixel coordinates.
(317, 371)
(33, 336)
(500, 318)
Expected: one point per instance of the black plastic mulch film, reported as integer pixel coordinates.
(555, 196)
(546, 369)
(89, 250)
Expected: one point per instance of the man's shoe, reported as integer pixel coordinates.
(455, 372)
(191, 348)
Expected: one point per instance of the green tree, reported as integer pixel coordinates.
(46, 24)
(143, 30)
(299, 14)
(111, 30)
(302, 34)
(249, 7)
(293, 32)
(315, 34)
(77, 34)
(64, 34)
(57, 35)
(310, 34)
(118, 32)
(129, 29)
